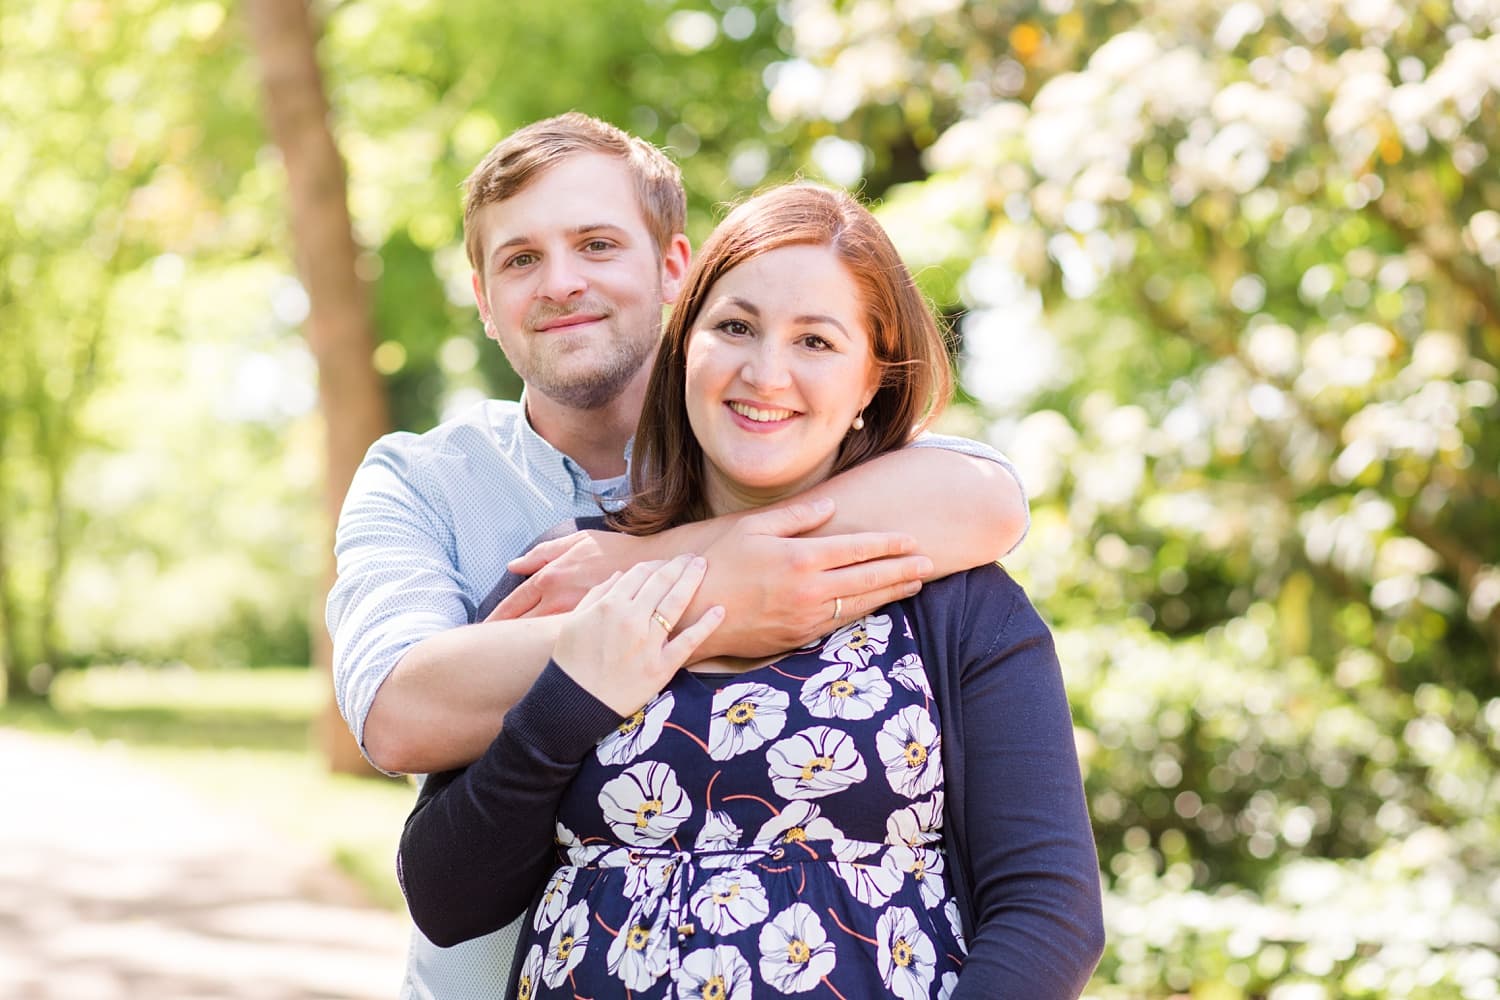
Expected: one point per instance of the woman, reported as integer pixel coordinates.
(894, 811)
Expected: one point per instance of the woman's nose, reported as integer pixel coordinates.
(767, 367)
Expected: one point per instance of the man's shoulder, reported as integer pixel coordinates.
(488, 423)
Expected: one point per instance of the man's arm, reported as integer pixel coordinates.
(442, 703)
(961, 510)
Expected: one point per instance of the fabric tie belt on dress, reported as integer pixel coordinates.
(671, 884)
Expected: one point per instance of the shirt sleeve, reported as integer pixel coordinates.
(976, 449)
(1038, 919)
(480, 840)
(397, 581)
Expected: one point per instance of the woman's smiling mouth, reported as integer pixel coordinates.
(760, 414)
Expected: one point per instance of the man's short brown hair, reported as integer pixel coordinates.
(520, 157)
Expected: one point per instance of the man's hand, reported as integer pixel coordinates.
(782, 590)
(559, 572)
(618, 644)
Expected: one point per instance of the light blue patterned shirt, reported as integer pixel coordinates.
(427, 527)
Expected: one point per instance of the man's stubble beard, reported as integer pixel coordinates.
(615, 365)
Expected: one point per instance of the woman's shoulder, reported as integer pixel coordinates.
(985, 601)
(985, 584)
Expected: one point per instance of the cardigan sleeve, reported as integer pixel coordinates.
(479, 841)
(1038, 925)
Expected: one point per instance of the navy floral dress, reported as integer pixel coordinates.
(776, 832)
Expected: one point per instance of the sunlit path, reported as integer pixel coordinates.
(115, 883)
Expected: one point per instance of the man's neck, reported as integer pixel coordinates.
(595, 439)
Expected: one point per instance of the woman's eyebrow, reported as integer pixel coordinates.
(751, 308)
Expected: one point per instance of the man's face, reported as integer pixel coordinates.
(573, 284)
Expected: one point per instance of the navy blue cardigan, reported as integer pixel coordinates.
(479, 843)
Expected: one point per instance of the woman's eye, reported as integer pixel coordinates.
(817, 343)
(735, 327)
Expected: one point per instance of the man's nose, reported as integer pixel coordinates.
(562, 279)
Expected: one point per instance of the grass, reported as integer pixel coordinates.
(242, 740)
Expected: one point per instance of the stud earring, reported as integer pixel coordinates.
(859, 422)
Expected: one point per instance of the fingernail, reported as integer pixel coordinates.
(924, 566)
(823, 504)
(699, 562)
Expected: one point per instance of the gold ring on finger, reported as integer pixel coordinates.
(662, 621)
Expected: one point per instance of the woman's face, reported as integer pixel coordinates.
(779, 364)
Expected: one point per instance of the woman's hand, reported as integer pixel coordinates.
(618, 644)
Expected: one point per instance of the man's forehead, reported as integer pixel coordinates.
(582, 191)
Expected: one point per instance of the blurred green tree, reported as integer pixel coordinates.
(340, 333)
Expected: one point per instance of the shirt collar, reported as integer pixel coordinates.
(562, 470)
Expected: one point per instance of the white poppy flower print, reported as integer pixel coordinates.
(844, 692)
(911, 674)
(925, 867)
(554, 898)
(730, 901)
(948, 985)
(636, 734)
(570, 939)
(644, 805)
(718, 842)
(816, 762)
(718, 973)
(872, 885)
(745, 717)
(911, 751)
(905, 956)
(956, 924)
(853, 850)
(795, 953)
(719, 833)
(643, 873)
(859, 641)
(919, 824)
(798, 823)
(642, 951)
(531, 974)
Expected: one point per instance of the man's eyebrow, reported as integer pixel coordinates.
(583, 230)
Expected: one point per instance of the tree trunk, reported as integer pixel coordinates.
(340, 327)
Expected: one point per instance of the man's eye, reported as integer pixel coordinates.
(522, 260)
(598, 246)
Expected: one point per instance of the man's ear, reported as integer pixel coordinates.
(479, 300)
(675, 259)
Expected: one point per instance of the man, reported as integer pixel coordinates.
(574, 230)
